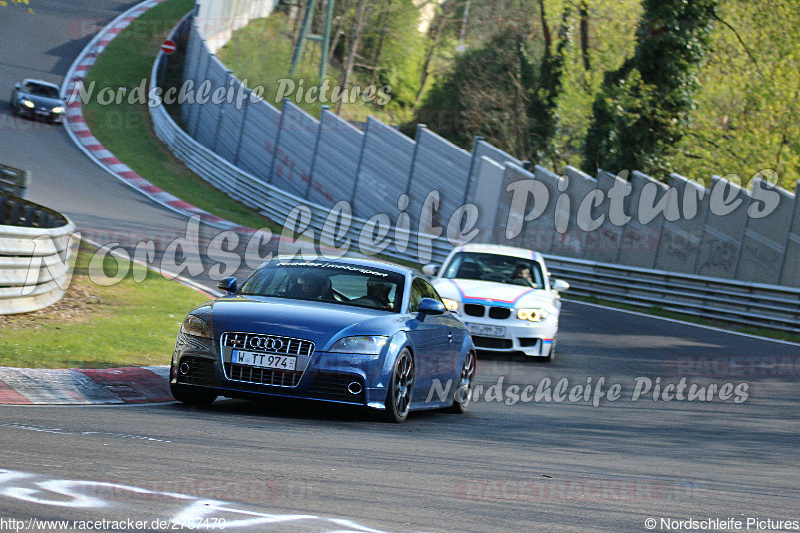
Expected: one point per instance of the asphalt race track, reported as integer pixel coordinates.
(514, 462)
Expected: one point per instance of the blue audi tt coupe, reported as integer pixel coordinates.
(350, 331)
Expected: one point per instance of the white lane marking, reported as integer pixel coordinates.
(676, 321)
(59, 431)
(201, 513)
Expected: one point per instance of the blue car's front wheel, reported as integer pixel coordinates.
(463, 394)
(401, 387)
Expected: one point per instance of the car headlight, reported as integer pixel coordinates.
(28, 103)
(533, 315)
(451, 305)
(196, 326)
(58, 109)
(367, 345)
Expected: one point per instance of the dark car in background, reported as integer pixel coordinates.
(38, 100)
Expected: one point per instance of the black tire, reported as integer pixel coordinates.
(192, 395)
(463, 394)
(401, 388)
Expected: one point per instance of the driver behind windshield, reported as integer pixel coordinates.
(522, 276)
(313, 288)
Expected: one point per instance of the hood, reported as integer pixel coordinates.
(318, 322)
(492, 293)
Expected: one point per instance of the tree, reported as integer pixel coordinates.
(747, 113)
(355, 40)
(641, 110)
(505, 91)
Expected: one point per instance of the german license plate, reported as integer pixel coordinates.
(263, 360)
(488, 331)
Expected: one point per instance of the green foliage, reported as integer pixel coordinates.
(505, 91)
(641, 109)
(127, 324)
(483, 95)
(747, 114)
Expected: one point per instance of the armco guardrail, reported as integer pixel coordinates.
(748, 304)
(34, 255)
(14, 181)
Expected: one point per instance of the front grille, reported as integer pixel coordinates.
(262, 376)
(201, 371)
(528, 342)
(500, 313)
(474, 309)
(334, 387)
(491, 342)
(273, 344)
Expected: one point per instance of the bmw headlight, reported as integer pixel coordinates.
(367, 345)
(196, 326)
(533, 315)
(58, 109)
(28, 103)
(451, 305)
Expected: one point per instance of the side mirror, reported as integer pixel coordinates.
(17, 86)
(429, 306)
(229, 285)
(430, 270)
(559, 285)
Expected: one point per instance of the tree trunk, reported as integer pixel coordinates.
(379, 49)
(584, 31)
(437, 35)
(358, 26)
(298, 21)
(337, 28)
(548, 39)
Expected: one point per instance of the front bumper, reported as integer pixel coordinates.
(328, 377)
(531, 339)
(40, 114)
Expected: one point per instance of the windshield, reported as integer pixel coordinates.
(328, 282)
(36, 89)
(493, 267)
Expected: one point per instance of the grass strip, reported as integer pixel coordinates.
(127, 324)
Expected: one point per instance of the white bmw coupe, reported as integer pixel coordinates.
(504, 295)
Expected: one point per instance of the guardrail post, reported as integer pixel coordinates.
(743, 237)
(316, 149)
(420, 127)
(364, 139)
(472, 164)
(241, 127)
(197, 104)
(23, 183)
(277, 140)
(221, 114)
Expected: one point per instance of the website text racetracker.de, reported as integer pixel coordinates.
(35, 524)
